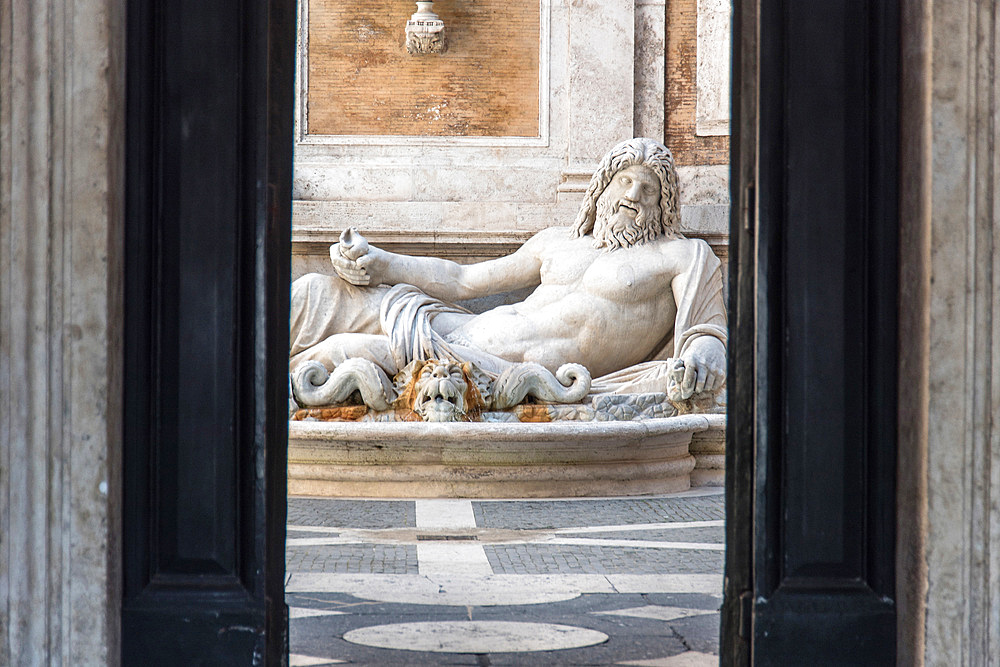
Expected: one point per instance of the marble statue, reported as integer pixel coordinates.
(622, 304)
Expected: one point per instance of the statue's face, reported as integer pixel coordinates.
(425, 42)
(633, 189)
(628, 210)
(440, 392)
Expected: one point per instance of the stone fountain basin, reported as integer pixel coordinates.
(504, 460)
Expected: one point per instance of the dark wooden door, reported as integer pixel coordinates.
(812, 455)
(208, 229)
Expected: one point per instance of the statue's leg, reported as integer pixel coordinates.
(338, 348)
(322, 306)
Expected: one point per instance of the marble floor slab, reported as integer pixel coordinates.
(605, 581)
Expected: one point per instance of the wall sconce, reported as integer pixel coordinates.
(425, 31)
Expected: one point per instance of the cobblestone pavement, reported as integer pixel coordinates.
(711, 534)
(351, 513)
(644, 572)
(546, 559)
(600, 512)
(351, 558)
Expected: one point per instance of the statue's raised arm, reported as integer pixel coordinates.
(360, 263)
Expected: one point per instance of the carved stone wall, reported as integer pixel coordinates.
(362, 81)
(61, 133)
(948, 504)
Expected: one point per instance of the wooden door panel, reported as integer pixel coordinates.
(208, 194)
(813, 396)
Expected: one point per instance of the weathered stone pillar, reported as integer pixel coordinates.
(601, 74)
(61, 165)
(949, 444)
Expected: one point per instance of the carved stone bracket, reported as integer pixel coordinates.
(425, 31)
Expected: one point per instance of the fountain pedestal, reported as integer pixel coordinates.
(495, 460)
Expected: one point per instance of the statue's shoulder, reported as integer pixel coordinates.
(550, 237)
(680, 253)
(679, 246)
(554, 232)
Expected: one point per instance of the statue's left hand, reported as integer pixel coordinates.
(704, 366)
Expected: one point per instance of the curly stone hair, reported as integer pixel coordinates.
(648, 153)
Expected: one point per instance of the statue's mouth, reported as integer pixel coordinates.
(439, 401)
(628, 210)
(439, 410)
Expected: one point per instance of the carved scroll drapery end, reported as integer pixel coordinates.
(425, 31)
(570, 384)
(312, 385)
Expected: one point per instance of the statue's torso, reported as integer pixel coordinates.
(606, 310)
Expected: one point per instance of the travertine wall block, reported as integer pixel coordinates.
(61, 197)
(363, 81)
(948, 549)
(712, 80)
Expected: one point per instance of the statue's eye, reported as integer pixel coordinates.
(626, 180)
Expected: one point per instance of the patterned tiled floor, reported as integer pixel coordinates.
(372, 558)
(596, 512)
(574, 582)
(585, 559)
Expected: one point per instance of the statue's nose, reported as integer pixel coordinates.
(632, 194)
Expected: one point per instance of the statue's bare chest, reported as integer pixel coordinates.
(625, 274)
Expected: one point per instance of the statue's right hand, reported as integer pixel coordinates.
(348, 269)
(352, 244)
(358, 262)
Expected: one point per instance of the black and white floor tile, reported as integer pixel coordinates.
(614, 581)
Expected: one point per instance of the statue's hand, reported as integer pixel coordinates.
(356, 261)
(704, 367)
(348, 269)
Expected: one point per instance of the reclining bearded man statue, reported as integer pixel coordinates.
(620, 292)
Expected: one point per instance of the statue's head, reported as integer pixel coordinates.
(439, 390)
(632, 197)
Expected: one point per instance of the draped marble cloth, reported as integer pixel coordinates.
(327, 305)
(405, 316)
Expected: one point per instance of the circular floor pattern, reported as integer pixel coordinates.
(475, 636)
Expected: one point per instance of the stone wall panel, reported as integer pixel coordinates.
(362, 81)
(681, 99)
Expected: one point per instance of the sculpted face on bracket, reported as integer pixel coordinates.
(426, 42)
(628, 208)
(439, 392)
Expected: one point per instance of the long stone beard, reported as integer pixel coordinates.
(613, 230)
